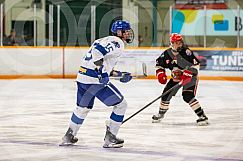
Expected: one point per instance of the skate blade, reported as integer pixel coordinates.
(156, 121)
(203, 123)
(112, 145)
(66, 144)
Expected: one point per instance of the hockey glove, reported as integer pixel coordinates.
(176, 75)
(162, 78)
(186, 77)
(103, 77)
(126, 77)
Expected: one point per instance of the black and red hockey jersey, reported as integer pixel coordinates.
(185, 59)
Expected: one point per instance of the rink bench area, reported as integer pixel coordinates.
(63, 62)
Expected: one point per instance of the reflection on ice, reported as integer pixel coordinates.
(35, 114)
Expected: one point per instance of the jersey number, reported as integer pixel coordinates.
(88, 55)
(109, 48)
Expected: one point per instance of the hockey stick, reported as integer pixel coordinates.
(144, 68)
(144, 75)
(176, 86)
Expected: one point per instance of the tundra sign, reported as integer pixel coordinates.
(221, 60)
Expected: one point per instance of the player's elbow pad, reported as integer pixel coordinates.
(161, 75)
(194, 71)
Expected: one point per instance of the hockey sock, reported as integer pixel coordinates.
(196, 107)
(117, 116)
(78, 116)
(164, 106)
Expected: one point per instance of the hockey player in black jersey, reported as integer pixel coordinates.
(184, 69)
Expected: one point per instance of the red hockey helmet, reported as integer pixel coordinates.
(175, 37)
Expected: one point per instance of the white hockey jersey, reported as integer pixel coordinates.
(109, 48)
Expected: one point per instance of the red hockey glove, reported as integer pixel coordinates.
(162, 78)
(186, 77)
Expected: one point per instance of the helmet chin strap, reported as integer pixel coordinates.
(172, 47)
(122, 37)
(115, 34)
(128, 40)
(177, 49)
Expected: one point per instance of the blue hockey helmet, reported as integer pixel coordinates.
(125, 27)
(120, 25)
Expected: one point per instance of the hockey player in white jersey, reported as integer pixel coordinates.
(93, 82)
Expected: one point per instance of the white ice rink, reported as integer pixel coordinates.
(34, 115)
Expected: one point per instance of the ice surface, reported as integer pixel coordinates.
(34, 115)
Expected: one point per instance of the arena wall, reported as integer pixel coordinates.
(63, 62)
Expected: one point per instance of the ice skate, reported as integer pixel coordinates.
(68, 138)
(158, 117)
(202, 121)
(111, 141)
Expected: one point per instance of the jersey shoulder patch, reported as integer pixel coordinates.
(118, 43)
(188, 52)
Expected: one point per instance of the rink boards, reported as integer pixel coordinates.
(63, 62)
